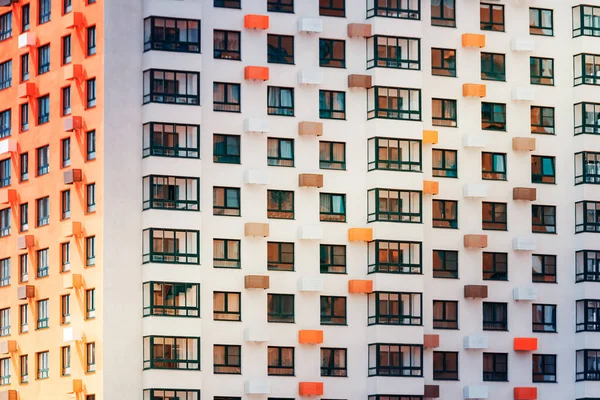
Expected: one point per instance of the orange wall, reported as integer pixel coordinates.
(50, 236)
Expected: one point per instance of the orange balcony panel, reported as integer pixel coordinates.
(256, 73)
(523, 143)
(26, 89)
(254, 21)
(77, 386)
(359, 30)
(360, 234)
(310, 180)
(431, 341)
(474, 90)
(8, 346)
(25, 242)
(310, 388)
(431, 391)
(476, 291)
(26, 292)
(473, 40)
(73, 228)
(256, 282)
(431, 187)
(430, 137)
(522, 193)
(8, 196)
(8, 394)
(360, 286)
(72, 123)
(525, 393)
(72, 175)
(475, 241)
(310, 128)
(306, 336)
(525, 344)
(360, 81)
(72, 20)
(72, 281)
(73, 72)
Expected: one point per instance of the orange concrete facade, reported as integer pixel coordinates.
(52, 235)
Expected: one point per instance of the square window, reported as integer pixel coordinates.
(334, 362)
(443, 13)
(226, 253)
(493, 67)
(443, 62)
(542, 169)
(280, 256)
(332, 207)
(445, 163)
(332, 259)
(227, 45)
(544, 318)
(280, 308)
(543, 219)
(280, 49)
(284, 6)
(332, 8)
(445, 214)
(445, 366)
(541, 22)
(443, 112)
(280, 361)
(227, 306)
(280, 204)
(226, 149)
(493, 166)
(542, 120)
(544, 367)
(280, 152)
(495, 266)
(445, 264)
(541, 71)
(495, 367)
(226, 201)
(227, 359)
(332, 53)
(280, 101)
(332, 155)
(543, 268)
(333, 310)
(495, 316)
(493, 216)
(491, 17)
(445, 314)
(226, 97)
(332, 105)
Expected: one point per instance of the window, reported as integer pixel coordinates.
(585, 21)
(65, 204)
(333, 362)
(44, 11)
(24, 108)
(493, 67)
(542, 169)
(43, 109)
(332, 8)
(445, 264)
(24, 217)
(541, 22)
(543, 268)
(332, 259)
(393, 52)
(405, 9)
(6, 74)
(280, 256)
(332, 105)
(541, 71)
(394, 103)
(43, 162)
(163, 192)
(445, 163)
(394, 154)
(43, 59)
(66, 100)
(443, 112)
(495, 266)
(587, 118)
(586, 68)
(587, 365)
(24, 67)
(24, 267)
(445, 314)
(394, 205)
(170, 246)
(280, 308)
(43, 369)
(543, 219)
(90, 251)
(23, 318)
(5, 222)
(5, 371)
(65, 146)
(168, 352)
(174, 394)
(90, 144)
(227, 4)
(227, 359)
(25, 20)
(332, 207)
(493, 166)
(5, 123)
(395, 308)
(493, 216)
(544, 367)
(226, 97)
(91, 93)
(445, 366)
(5, 322)
(171, 34)
(6, 24)
(174, 87)
(443, 13)
(587, 167)
(42, 263)
(42, 314)
(395, 360)
(280, 49)
(226, 149)
(495, 367)
(491, 17)
(65, 309)
(226, 201)
(5, 173)
(332, 53)
(65, 256)
(332, 155)
(542, 120)
(65, 361)
(394, 257)
(227, 45)
(91, 40)
(67, 7)
(226, 306)
(495, 316)
(226, 253)
(333, 310)
(280, 101)
(443, 62)
(5, 272)
(280, 152)
(171, 299)
(66, 49)
(284, 6)
(280, 361)
(588, 315)
(24, 361)
(543, 317)
(445, 214)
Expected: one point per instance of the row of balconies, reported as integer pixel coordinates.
(481, 392)
(308, 284)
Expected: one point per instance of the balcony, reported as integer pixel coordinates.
(476, 342)
(26, 292)
(474, 140)
(475, 392)
(474, 90)
(310, 25)
(525, 393)
(310, 285)
(525, 344)
(473, 40)
(25, 90)
(27, 39)
(171, 140)
(257, 387)
(360, 30)
(360, 81)
(360, 234)
(72, 176)
(25, 242)
(72, 20)
(430, 137)
(171, 87)
(256, 177)
(8, 346)
(476, 291)
(306, 128)
(170, 246)
(72, 281)
(310, 180)
(256, 335)
(524, 243)
(475, 241)
(259, 22)
(431, 187)
(431, 341)
(360, 286)
(310, 77)
(8, 394)
(256, 282)
(431, 391)
(525, 293)
(306, 336)
(256, 229)
(475, 190)
(73, 72)
(525, 194)
(522, 45)
(8, 196)
(160, 34)
(256, 125)
(310, 232)
(254, 73)
(310, 388)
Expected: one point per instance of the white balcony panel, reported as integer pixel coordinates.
(475, 392)
(476, 342)
(258, 125)
(26, 39)
(310, 284)
(256, 386)
(256, 334)
(256, 177)
(474, 140)
(310, 77)
(310, 232)
(524, 293)
(475, 190)
(8, 146)
(310, 25)
(523, 94)
(524, 243)
(522, 44)
(71, 334)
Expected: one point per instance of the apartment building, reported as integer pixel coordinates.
(279, 199)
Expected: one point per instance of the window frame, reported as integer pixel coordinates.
(493, 174)
(227, 53)
(538, 77)
(329, 365)
(538, 28)
(227, 209)
(375, 198)
(579, 19)
(43, 318)
(149, 255)
(538, 124)
(547, 365)
(493, 67)
(400, 61)
(440, 19)
(282, 6)
(280, 199)
(151, 95)
(226, 303)
(494, 266)
(498, 216)
(329, 107)
(499, 316)
(177, 292)
(587, 312)
(280, 49)
(168, 132)
(232, 363)
(376, 369)
(43, 103)
(584, 259)
(275, 308)
(276, 93)
(490, 24)
(329, 310)
(403, 308)
(496, 374)
(545, 213)
(438, 70)
(280, 261)
(332, 215)
(327, 51)
(445, 169)
(327, 252)
(445, 220)
(543, 177)
(587, 111)
(232, 105)
(447, 372)
(331, 162)
(42, 263)
(278, 364)
(163, 192)
(227, 148)
(189, 45)
(397, 112)
(394, 152)
(375, 9)
(445, 321)
(447, 268)
(43, 53)
(411, 248)
(543, 276)
(543, 323)
(328, 9)
(151, 361)
(227, 261)
(446, 106)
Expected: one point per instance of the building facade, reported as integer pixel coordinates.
(279, 199)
